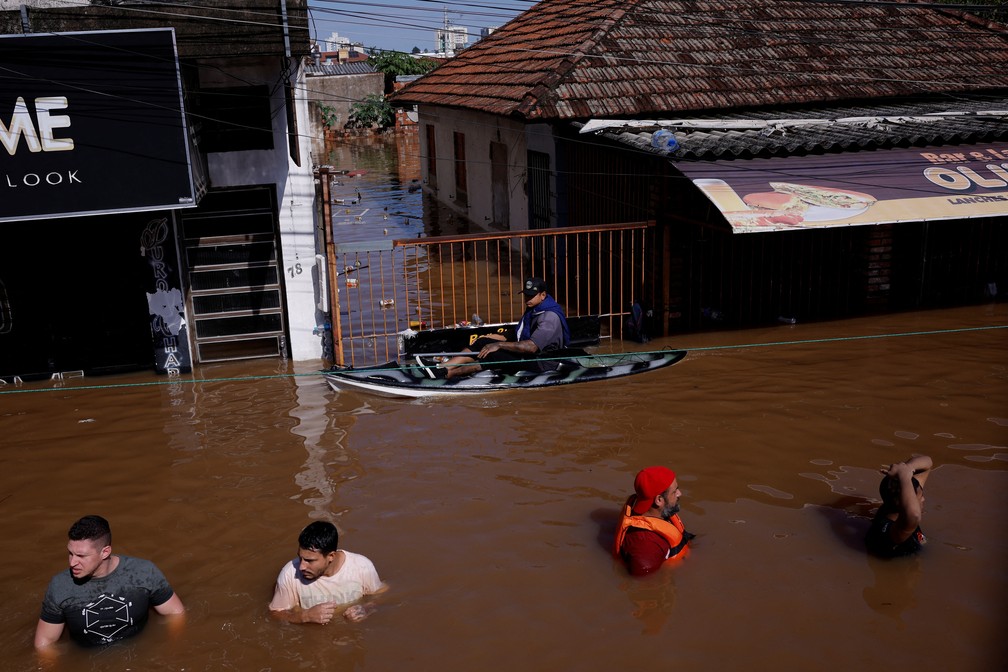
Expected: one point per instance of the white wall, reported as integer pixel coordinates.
(295, 194)
(480, 130)
(298, 224)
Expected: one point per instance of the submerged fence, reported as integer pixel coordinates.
(381, 289)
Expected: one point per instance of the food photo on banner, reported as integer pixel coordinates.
(856, 188)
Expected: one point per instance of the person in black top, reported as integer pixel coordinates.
(102, 597)
(896, 531)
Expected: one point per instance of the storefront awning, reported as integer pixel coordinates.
(856, 188)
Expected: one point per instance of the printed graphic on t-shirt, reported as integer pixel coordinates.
(107, 616)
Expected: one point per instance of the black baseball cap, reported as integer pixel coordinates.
(533, 286)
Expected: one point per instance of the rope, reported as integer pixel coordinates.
(833, 339)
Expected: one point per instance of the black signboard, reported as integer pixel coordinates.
(91, 122)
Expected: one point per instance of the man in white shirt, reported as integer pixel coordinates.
(322, 580)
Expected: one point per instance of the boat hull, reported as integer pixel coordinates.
(397, 380)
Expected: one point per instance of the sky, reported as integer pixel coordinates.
(401, 25)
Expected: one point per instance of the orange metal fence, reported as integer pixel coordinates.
(387, 287)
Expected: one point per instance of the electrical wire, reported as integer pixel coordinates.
(716, 25)
(276, 111)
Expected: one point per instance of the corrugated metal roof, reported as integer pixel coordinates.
(965, 119)
(578, 59)
(330, 69)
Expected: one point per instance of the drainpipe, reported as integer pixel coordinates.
(286, 31)
(332, 287)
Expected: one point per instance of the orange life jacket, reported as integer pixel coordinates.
(673, 531)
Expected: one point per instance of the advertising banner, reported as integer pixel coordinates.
(856, 188)
(165, 300)
(91, 122)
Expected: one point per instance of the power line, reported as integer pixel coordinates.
(279, 108)
(713, 22)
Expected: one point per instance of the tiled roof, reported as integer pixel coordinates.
(965, 119)
(579, 59)
(330, 68)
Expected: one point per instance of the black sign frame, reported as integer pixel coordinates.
(91, 123)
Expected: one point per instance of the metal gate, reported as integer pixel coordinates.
(539, 177)
(381, 289)
(235, 285)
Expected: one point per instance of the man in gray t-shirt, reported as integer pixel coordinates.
(102, 597)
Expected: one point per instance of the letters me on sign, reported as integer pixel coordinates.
(92, 122)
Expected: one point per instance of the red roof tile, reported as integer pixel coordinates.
(571, 59)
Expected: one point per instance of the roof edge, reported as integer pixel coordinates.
(526, 109)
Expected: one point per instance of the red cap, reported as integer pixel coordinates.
(650, 483)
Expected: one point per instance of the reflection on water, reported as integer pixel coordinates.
(894, 589)
(316, 483)
(379, 197)
(652, 599)
(491, 518)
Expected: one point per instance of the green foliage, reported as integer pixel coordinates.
(330, 118)
(373, 111)
(395, 63)
(989, 9)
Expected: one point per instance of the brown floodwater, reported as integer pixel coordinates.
(490, 517)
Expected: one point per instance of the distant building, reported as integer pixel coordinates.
(335, 42)
(487, 31)
(332, 87)
(451, 39)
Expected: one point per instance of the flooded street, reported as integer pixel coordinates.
(490, 518)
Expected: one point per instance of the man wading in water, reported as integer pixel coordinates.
(650, 530)
(896, 531)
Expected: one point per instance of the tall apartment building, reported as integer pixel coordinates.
(451, 39)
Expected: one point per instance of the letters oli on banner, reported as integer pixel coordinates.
(855, 188)
(91, 122)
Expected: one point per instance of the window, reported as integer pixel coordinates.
(461, 186)
(431, 156)
(235, 119)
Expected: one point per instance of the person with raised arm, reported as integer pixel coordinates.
(895, 531)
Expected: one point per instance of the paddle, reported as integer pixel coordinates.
(467, 353)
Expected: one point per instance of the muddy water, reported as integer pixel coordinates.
(490, 518)
(378, 196)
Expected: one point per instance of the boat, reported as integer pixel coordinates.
(585, 331)
(412, 379)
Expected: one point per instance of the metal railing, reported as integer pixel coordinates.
(382, 288)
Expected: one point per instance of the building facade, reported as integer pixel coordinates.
(621, 111)
(101, 272)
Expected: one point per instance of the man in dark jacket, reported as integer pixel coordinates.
(541, 330)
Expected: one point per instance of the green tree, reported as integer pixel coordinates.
(395, 63)
(330, 118)
(373, 111)
(989, 9)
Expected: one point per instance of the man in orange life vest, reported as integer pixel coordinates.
(650, 530)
